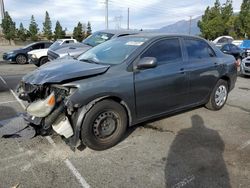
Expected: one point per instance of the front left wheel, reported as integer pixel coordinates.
(104, 125)
(21, 59)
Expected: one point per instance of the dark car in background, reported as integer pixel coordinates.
(245, 45)
(75, 49)
(234, 50)
(20, 55)
(123, 82)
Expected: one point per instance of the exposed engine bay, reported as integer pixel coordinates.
(46, 110)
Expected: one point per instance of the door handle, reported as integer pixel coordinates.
(182, 71)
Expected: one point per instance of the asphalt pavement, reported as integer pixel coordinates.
(195, 148)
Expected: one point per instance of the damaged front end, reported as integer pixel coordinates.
(47, 109)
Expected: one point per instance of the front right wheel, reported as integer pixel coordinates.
(218, 96)
(104, 125)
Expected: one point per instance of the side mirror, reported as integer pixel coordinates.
(147, 63)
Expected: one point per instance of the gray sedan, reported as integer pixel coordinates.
(123, 82)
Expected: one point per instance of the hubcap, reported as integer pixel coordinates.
(105, 124)
(21, 59)
(220, 95)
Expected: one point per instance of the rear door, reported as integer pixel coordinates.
(203, 69)
(164, 87)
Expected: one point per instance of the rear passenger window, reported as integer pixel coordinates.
(38, 46)
(165, 50)
(198, 49)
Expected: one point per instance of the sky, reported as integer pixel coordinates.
(144, 14)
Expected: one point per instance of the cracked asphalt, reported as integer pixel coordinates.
(194, 148)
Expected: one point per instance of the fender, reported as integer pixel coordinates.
(74, 140)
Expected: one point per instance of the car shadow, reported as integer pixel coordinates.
(195, 158)
(148, 124)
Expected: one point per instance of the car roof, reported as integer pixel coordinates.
(161, 35)
(119, 32)
(39, 42)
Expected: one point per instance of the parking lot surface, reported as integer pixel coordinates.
(195, 148)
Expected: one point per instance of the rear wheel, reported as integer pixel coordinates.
(218, 96)
(104, 125)
(43, 60)
(21, 59)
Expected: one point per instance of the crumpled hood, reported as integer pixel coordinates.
(63, 69)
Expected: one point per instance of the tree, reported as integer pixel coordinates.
(244, 19)
(9, 27)
(47, 25)
(33, 29)
(89, 29)
(22, 33)
(59, 32)
(78, 32)
(212, 24)
(227, 15)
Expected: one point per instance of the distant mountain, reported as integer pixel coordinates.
(181, 27)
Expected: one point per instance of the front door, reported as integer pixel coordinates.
(164, 87)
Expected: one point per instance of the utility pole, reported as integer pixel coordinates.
(128, 20)
(2, 13)
(118, 20)
(107, 14)
(2, 9)
(190, 24)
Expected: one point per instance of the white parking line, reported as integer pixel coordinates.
(244, 145)
(6, 102)
(20, 102)
(1, 78)
(70, 166)
(76, 174)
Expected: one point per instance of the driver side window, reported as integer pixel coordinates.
(165, 51)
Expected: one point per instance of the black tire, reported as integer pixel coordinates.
(21, 59)
(108, 115)
(43, 60)
(214, 103)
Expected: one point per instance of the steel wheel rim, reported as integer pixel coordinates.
(220, 95)
(105, 124)
(21, 59)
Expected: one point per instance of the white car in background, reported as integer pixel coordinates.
(40, 56)
(237, 42)
(220, 41)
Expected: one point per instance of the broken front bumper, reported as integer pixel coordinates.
(56, 120)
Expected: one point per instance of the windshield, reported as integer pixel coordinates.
(97, 38)
(114, 51)
(55, 44)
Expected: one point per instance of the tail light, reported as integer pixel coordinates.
(237, 63)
